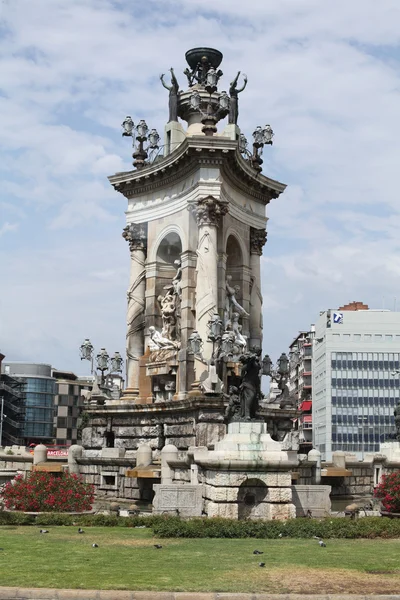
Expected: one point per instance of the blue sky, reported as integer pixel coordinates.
(325, 75)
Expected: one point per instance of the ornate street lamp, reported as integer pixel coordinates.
(261, 137)
(102, 360)
(224, 101)
(116, 363)
(214, 110)
(211, 80)
(86, 350)
(268, 134)
(283, 364)
(267, 365)
(127, 126)
(195, 344)
(140, 134)
(243, 144)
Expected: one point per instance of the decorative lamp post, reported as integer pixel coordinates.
(267, 365)
(195, 344)
(268, 134)
(86, 350)
(224, 101)
(211, 80)
(103, 361)
(243, 144)
(214, 110)
(283, 365)
(216, 329)
(154, 139)
(140, 134)
(127, 126)
(116, 363)
(260, 137)
(195, 101)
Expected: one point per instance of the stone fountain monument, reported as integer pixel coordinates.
(196, 227)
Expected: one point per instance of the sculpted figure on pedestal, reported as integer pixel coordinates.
(159, 342)
(231, 304)
(234, 92)
(250, 387)
(173, 95)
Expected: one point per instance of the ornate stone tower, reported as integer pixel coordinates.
(196, 226)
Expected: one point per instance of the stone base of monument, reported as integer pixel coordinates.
(391, 450)
(248, 475)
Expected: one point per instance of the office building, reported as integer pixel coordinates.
(38, 388)
(12, 410)
(355, 382)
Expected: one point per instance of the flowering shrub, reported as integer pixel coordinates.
(388, 492)
(45, 492)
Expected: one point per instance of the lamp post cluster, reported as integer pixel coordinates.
(140, 134)
(261, 137)
(223, 342)
(103, 361)
(214, 110)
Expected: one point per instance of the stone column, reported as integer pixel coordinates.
(208, 212)
(258, 237)
(136, 235)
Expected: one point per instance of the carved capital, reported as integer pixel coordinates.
(258, 238)
(136, 235)
(209, 210)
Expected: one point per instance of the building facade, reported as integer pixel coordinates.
(68, 404)
(12, 409)
(300, 383)
(355, 379)
(38, 389)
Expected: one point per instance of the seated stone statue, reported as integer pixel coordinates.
(158, 342)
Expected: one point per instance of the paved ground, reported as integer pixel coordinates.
(9, 593)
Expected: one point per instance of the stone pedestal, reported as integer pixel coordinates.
(248, 475)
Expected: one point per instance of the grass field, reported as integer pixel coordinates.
(126, 559)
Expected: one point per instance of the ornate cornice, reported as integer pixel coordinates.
(186, 158)
(209, 210)
(136, 235)
(258, 238)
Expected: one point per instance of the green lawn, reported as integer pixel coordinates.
(127, 559)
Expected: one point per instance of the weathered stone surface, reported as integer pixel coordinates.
(313, 498)
(179, 429)
(227, 511)
(208, 434)
(279, 495)
(185, 499)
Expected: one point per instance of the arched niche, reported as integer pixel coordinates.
(251, 499)
(169, 249)
(234, 264)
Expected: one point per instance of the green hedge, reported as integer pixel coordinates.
(174, 527)
(367, 527)
(87, 520)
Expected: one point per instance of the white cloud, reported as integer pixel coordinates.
(325, 75)
(7, 227)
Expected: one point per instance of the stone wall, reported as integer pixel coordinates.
(360, 482)
(198, 422)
